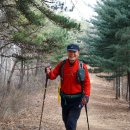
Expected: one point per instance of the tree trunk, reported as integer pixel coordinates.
(10, 77)
(127, 91)
(114, 83)
(22, 72)
(27, 72)
(36, 67)
(119, 87)
(116, 88)
(5, 73)
(128, 76)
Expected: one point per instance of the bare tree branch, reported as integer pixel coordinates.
(4, 46)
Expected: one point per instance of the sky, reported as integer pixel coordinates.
(82, 10)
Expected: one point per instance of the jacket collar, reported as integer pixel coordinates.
(75, 62)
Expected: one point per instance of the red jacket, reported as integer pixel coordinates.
(70, 85)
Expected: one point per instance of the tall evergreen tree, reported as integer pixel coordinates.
(37, 26)
(108, 38)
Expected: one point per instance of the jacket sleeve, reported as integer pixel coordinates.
(54, 72)
(87, 85)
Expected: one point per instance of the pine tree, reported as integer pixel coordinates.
(108, 39)
(39, 34)
(37, 26)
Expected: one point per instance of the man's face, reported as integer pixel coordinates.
(73, 55)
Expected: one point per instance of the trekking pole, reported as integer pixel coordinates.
(44, 96)
(87, 116)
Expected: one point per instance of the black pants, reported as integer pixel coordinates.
(70, 112)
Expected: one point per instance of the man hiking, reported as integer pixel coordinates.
(74, 93)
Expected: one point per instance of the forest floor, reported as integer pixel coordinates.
(104, 111)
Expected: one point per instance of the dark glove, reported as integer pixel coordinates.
(47, 69)
(85, 100)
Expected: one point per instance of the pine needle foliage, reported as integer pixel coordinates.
(38, 26)
(109, 37)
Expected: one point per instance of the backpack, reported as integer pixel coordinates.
(80, 73)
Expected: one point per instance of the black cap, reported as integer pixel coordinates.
(72, 47)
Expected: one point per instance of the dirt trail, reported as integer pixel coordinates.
(105, 112)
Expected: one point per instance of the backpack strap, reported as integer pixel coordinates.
(61, 69)
(82, 82)
(81, 65)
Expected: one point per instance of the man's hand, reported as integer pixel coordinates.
(47, 69)
(85, 100)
